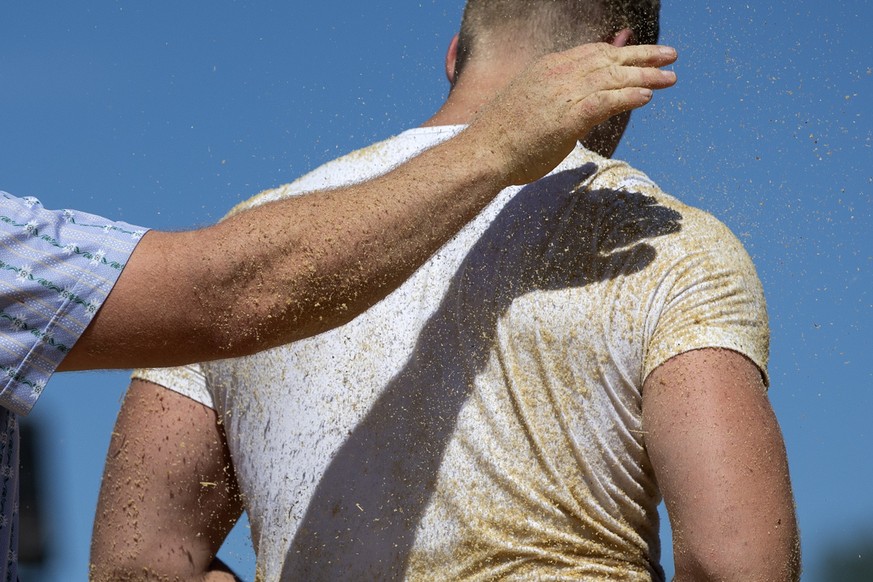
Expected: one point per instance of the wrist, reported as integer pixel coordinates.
(481, 149)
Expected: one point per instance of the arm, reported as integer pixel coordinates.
(720, 462)
(297, 267)
(169, 496)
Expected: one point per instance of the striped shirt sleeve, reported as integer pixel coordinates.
(56, 269)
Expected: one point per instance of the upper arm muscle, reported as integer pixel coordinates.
(720, 461)
(169, 495)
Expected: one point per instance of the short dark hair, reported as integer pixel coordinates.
(554, 25)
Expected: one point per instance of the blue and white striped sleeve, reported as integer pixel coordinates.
(56, 269)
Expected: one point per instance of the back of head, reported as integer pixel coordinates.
(544, 26)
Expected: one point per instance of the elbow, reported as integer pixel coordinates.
(772, 560)
(129, 559)
(106, 564)
(135, 570)
(117, 561)
(101, 571)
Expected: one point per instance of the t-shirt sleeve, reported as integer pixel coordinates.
(56, 269)
(188, 381)
(710, 298)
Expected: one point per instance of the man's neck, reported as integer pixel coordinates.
(474, 89)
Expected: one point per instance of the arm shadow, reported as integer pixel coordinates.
(554, 234)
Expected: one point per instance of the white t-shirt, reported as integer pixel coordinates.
(484, 420)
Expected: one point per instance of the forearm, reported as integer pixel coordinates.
(289, 269)
(354, 245)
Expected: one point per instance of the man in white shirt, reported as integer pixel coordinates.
(515, 410)
(78, 291)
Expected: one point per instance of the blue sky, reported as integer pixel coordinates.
(166, 114)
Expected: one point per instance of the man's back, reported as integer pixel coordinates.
(485, 420)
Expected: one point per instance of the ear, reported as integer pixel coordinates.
(623, 37)
(451, 58)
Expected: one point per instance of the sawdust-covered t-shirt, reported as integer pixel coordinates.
(484, 421)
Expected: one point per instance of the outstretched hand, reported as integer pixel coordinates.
(535, 122)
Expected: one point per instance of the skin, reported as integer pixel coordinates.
(711, 434)
(720, 462)
(300, 266)
(169, 496)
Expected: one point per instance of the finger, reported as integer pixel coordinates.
(618, 77)
(654, 78)
(595, 55)
(600, 106)
(643, 55)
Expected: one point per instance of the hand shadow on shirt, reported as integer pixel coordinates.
(361, 521)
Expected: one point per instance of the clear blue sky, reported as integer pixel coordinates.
(166, 114)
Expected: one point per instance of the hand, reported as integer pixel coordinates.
(219, 572)
(536, 121)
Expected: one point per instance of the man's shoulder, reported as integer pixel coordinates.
(698, 227)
